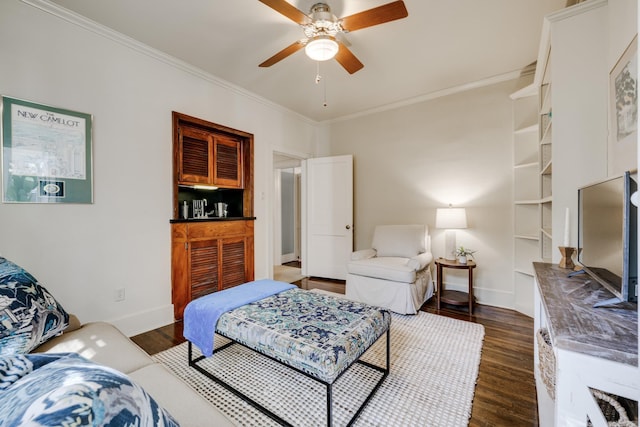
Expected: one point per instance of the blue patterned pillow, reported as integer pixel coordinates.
(29, 315)
(67, 389)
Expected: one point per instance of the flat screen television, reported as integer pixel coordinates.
(607, 236)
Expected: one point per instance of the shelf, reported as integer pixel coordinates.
(527, 202)
(546, 170)
(546, 232)
(542, 201)
(527, 91)
(528, 129)
(526, 273)
(517, 236)
(526, 165)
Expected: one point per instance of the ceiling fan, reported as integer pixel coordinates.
(322, 30)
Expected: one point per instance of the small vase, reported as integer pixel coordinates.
(462, 259)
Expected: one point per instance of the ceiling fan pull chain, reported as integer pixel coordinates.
(324, 89)
(324, 84)
(318, 76)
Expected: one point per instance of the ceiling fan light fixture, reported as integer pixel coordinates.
(321, 48)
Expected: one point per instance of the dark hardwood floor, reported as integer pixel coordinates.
(505, 392)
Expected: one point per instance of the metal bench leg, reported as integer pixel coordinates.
(329, 405)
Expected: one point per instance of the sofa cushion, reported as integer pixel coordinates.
(29, 314)
(389, 268)
(399, 240)
(66, 389)
(102, 343)
(191, 409)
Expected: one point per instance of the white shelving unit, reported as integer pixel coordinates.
(572, 87)
(545, 121)
(526, 194)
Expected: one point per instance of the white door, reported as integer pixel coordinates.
(327, 216)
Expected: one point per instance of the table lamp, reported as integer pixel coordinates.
(450, 219)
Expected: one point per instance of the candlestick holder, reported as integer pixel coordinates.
(567, 254)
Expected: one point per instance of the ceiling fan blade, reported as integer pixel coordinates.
(348, 60)
(287, 10)
(289, 50)
(377, 15)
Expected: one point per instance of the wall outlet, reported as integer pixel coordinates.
(118, 295)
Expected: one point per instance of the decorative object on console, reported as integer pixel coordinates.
(30, 314)
(450, 219)
(567, 254)
(566, 250)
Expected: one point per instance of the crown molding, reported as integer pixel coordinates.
(108, 33)
(433, 95)
(545, 37)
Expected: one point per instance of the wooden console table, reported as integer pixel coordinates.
(455, 297)
(593, 348)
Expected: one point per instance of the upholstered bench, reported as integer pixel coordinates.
(318, 335)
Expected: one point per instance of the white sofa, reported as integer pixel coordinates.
(396, 273)
(103, 343)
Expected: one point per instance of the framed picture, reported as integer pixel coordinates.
(46, 154)
(623, 112)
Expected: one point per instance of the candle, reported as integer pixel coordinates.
(566, 228)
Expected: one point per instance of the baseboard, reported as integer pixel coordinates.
(484, 296)
(288, 258)
(145, 321)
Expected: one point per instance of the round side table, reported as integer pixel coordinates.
(455, 297)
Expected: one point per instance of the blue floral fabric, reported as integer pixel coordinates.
(319, 334)
(29, 314)
(68, 390)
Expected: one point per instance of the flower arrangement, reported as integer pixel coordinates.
(462, 251)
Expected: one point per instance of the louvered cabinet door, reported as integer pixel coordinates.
(204, 267)
(228, 165)
(195, 156)
(209, 256)
(234, 253)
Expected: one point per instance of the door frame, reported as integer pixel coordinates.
(293, 159)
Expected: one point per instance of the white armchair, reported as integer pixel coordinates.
(396, 272)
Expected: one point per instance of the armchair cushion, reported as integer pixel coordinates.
(399, 240)
(419, 262)
(363, 254)
(388, 268)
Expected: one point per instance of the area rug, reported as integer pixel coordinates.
(434, 367)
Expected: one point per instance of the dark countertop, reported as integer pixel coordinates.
(609, 332)
(212, 218)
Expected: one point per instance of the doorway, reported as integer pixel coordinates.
(287, 218)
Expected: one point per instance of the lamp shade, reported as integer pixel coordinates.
(451, 218)
(321, 48)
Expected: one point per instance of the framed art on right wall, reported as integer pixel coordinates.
(623, 111)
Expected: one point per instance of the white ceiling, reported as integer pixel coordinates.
(440, 45)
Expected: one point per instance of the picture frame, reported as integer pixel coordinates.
(47, 154)
(623, 112)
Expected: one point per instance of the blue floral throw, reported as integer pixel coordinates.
(69, 390)
(29, 315)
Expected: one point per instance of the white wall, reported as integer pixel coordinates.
(579, 82)
(585, 48)
(82, 253)
(454, 149)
